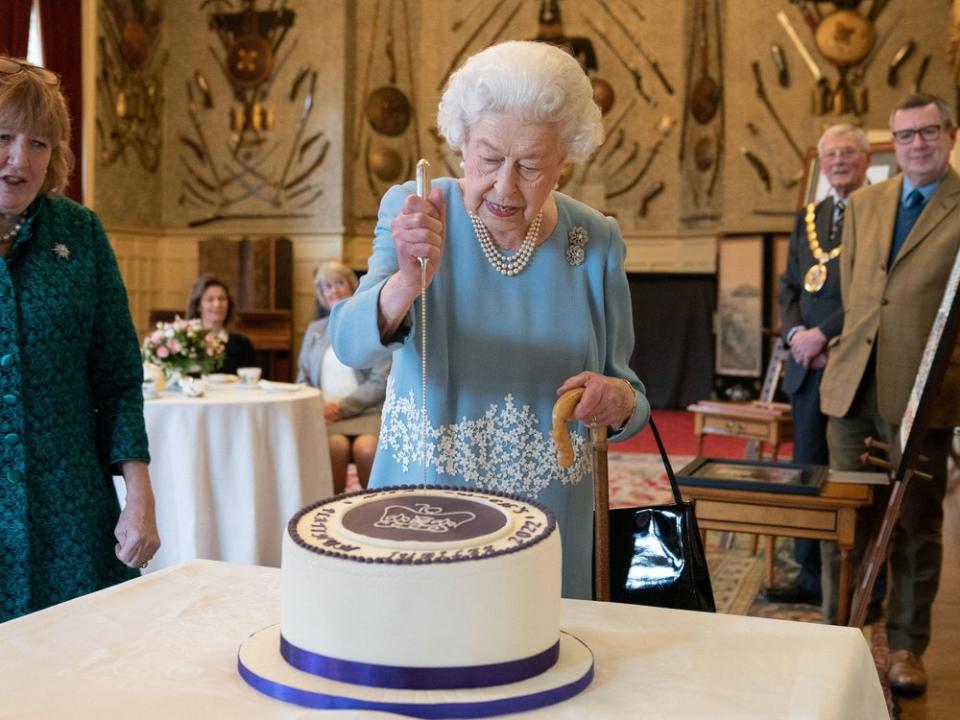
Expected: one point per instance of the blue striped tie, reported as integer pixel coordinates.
(907, 215)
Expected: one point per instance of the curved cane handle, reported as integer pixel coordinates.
(562, 409)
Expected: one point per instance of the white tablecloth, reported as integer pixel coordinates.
(230, 468)
(165, 646)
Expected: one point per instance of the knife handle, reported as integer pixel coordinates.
(423, 178)
(780, 62)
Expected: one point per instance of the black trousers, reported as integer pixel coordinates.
(809, 448)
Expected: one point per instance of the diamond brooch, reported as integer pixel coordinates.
(577, 238)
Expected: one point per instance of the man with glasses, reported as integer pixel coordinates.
(900, 240)
(811, 313)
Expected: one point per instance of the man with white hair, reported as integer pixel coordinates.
(811, 313)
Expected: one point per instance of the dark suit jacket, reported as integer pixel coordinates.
(891, 310)
(823, 309)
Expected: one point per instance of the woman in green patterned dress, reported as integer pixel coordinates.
(71, 406)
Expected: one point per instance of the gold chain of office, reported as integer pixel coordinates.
(816, 276)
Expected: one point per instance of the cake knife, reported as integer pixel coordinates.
(423, 190)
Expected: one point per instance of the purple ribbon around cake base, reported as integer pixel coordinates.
(277, 679)
(418, 678)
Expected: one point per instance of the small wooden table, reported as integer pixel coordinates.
(831, 515)
(768, 422)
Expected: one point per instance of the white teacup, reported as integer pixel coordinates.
(249, 375)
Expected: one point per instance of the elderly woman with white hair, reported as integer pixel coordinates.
(351, 398)
(526, 298)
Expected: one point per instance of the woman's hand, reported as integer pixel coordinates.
(332, 412)
(606, 400)
(136, 531)
(417, 233)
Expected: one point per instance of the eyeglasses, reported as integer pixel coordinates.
(927, 132)
(9, 66)
(839, 154)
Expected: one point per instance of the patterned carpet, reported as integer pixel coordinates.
(638, 479)
(736, 573)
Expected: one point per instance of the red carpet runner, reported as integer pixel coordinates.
(676, 430)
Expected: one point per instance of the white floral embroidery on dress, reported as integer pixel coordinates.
(502, 450)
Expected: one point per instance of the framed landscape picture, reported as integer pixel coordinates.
(739, 348)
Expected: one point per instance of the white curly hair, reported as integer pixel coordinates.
(527, 80)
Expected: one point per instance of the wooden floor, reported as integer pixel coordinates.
(942, 658)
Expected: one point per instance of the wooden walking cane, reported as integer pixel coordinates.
(601, 485)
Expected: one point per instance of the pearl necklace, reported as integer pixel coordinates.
(508, 265)
(13, 231)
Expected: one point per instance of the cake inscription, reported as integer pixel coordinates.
(422, 517)
(441, 524)
(318, 531)
(527, 530)
(473, 553)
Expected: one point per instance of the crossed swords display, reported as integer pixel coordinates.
(210, 185)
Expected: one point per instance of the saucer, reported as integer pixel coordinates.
(222, 379)
(276, 386)
(244, 386)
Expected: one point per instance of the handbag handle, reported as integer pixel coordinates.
(677, 497)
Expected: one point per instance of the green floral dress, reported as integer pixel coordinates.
(71, 408)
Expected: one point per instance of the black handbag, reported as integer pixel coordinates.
(656, 553)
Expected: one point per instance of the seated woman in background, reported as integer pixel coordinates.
(352, 398)
(210, 301)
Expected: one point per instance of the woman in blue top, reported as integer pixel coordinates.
(527, 298)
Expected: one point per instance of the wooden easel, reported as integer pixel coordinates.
(771, 380)
(916, 419)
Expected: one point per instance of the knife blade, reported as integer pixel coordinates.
(648, 196)
(801, 48)
(899, 58)
(921, 72)
(759, 166)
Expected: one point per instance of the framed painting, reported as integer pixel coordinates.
(754, 475)
(814, 186)
(740, 306)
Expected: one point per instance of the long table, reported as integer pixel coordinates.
(165, 646)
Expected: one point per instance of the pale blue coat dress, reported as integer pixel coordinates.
(497, 350)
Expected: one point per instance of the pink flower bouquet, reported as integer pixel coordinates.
(185, 346)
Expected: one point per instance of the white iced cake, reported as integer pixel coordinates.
(447, 587)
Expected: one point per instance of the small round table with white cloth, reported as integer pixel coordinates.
(230, 468)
